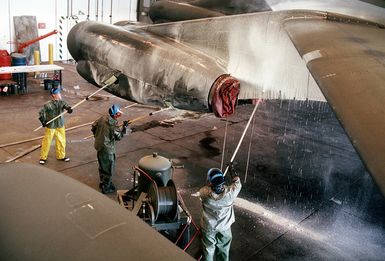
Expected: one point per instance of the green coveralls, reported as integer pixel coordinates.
(217, 218)
(54, 129)
(106, 132)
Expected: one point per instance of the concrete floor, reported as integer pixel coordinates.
(306, 194)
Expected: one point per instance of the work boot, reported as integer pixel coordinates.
(108, 188)
(101, 185)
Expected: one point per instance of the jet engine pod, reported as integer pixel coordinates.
(223, 95)
(154, 65)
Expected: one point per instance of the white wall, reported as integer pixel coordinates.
(59, 13)
(4, 25)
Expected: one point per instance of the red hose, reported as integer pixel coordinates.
(181, 234)
(145, 174)
(192, 239)
(198, 231)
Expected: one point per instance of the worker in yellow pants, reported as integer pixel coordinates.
(55, 128)
(60, 144)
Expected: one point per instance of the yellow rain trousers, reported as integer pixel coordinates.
(60, 143)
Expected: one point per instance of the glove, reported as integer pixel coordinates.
(124, 130)
(69, 110)
(233, 172)
(41, 119)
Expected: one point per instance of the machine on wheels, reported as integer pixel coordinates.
(156, 200)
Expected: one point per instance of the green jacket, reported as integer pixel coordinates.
(106, 132)
(52, 109)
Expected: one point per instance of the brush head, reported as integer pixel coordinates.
(110, 80)
(168, 104)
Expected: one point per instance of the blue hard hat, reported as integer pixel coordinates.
(215, 177)
(54, 90)
(114, 109)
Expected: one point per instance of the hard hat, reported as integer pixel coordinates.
(215, 177)
(54, 90)
(114, 109)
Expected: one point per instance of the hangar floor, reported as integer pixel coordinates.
(306, 194)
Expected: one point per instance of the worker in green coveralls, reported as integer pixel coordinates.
(55, 128)
(106, 132)
(218, 213)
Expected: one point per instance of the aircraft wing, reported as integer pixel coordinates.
(347, 60)
(168, 11)
(48, 216)
(164, 10)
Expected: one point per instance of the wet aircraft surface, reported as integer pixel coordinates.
(48, 216)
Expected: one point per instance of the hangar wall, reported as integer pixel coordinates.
(60, 15)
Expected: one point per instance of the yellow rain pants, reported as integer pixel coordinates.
(60, 143)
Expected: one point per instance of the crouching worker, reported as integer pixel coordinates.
(218, 214)
(106, 132)
(55, 128)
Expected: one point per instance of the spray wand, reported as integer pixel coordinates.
(108, 82)
(168, 107)
(243, 135)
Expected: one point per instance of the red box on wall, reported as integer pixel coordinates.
(41, 25)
